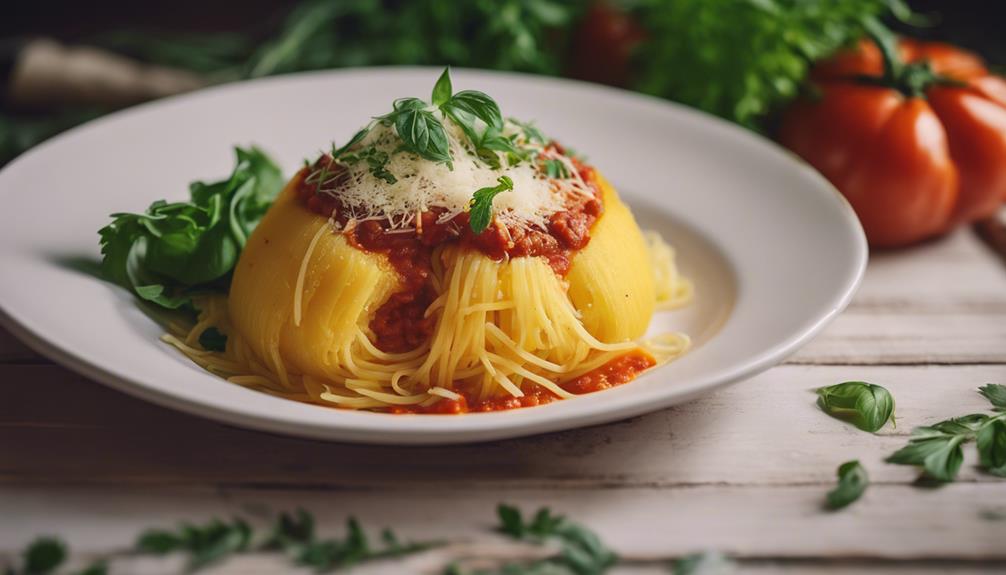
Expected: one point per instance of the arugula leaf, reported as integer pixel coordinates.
(852, 482)
(865, 405)
(175, 249)
(43, 556)
(481, 212)
(995, 393)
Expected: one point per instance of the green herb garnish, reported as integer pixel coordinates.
(292, 534)
(938, 448)
(212, 339)
(852, 482)
(581, 550)
(481, 212)
(865, 405)
(555, 169)
(174, 250)
(996, 394)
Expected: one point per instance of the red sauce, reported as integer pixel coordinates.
(622, 369)
(398, 324)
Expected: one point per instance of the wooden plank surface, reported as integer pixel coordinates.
(742, 470)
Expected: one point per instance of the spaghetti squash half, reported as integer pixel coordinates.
(443, 261)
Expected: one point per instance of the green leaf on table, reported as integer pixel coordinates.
(937, 448)
(991, 439)
(705, 563)
(581, 551)
(44, 556)
(852, 482)
(481, 212)
(865, 405)
(995, 393)
(203, 545)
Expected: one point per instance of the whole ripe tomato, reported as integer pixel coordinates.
(603, 44)
(912, 133)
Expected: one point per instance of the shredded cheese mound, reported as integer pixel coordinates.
(422, 185)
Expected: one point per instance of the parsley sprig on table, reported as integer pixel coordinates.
(581, 551)
(578, 550)
(938, 448)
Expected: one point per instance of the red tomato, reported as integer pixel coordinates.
(914, 152)
(603, 45)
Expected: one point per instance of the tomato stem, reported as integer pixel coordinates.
(911, 79)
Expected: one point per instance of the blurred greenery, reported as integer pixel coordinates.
(739, 59)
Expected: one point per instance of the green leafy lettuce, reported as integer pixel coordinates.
(177, 249)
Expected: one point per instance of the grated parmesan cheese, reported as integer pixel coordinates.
(423, 184)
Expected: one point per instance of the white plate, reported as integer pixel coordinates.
(775, 251)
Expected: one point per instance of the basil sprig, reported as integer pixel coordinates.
(865, 405)
(482, 204)
(852, 482)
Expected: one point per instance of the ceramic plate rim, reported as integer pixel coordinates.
(446, 429)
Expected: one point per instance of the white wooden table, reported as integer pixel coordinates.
(742, 471)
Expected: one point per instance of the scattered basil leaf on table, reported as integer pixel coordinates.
(852, 482)
(44, 555)
(865, 405)
(707, 563)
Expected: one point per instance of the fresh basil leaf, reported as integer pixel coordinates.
(555, 169)
(423, 134)
(531, 132)
(337, 153)
(852, 482)
(44, 556)
(442, 90)
(477, 104)
(865, 405)
(481, 211)
(995, 393)
(992, 447)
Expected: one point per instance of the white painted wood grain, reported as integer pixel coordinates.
(764, 431)
(640, 524)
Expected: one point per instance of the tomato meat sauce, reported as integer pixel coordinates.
(399, 324)
(622, 369)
